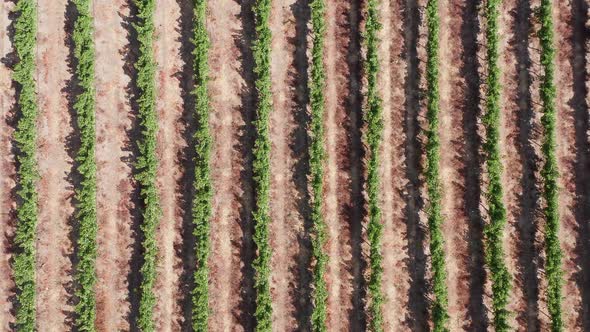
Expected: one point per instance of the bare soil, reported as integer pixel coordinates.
(115, 187)
(55, 188)
(171, 146)
(459, 163)
(396, 276)
(7, 167)
(289, 191)
(343, 209)
(231, 25)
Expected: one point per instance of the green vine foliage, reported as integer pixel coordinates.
(147, 162)
(317, 156)
(550, 172)
(261, 165)
(25, 31)
(494, 252)
(440, 315)
(202, 183)
(86, 194)
(373, 137)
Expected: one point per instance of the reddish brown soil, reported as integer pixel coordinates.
(570, 78)
(7, 169)
(289, 197)
(459, 166)
(115, 184)
(54, 248)
(343, 209)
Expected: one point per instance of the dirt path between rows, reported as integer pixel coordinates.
(55, 188)
(519, 134)
(343, 199)
(115, 187)
(7, 167)
(459, 164)
(289, 196)
(171, 144)
(569, 78)
(231, 25)
(396, 274)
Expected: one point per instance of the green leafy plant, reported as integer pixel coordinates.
(440, 315)
(373, 137)
(494, 252)
(147, 162)
(550, 172)
(261, 165)
(25, 38)
(317, 156)
(82, 36)
(201, 206)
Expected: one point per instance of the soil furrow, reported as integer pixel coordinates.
(520, 161)
(7, 165)
(414, 54)
(395, 272)
(342, 188)
(287, 227)
(232, 108)
(567, 159)
(115, 185)
(54, 269)
(170, 144)
(579, 103)
(458, 108)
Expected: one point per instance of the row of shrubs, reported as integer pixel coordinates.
(147, 161)
(549, 172)
(373, 135)
(317, 156)
(82, 37)
(494, 229)
(201, 206)
(261, 165)
(25, 38)
(440, 315)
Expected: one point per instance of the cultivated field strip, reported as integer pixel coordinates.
(429, 194)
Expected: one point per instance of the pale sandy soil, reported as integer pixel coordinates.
(7, 169)
(170, 144)
(232, 304)
(396, 281)
(115, 184)
(54, 268)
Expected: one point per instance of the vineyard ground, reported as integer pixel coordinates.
(233, 109)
